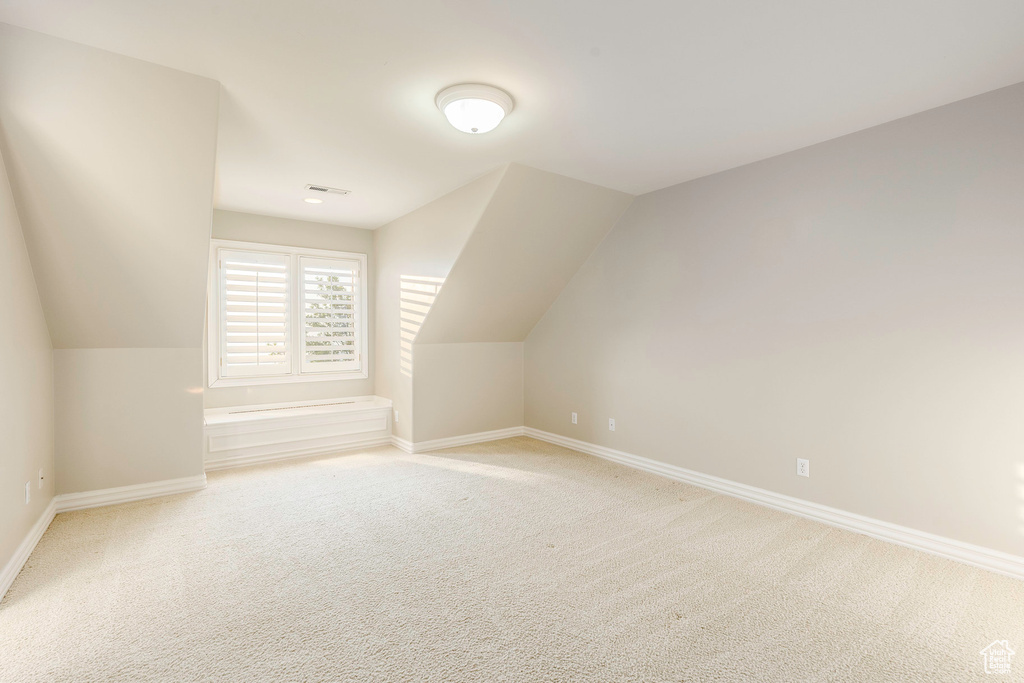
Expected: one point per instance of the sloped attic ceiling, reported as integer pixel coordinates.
(111, 162)
(534, 235)
(634, 98)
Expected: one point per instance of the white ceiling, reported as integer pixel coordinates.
(634, 95)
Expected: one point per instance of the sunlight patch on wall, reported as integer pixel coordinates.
(417, 295)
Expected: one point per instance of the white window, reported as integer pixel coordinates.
(254, 327)
(284, 314)
(329, 311)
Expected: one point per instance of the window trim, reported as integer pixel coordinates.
(213, 305)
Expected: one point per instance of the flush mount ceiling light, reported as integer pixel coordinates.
(474, 108)
(313, 200)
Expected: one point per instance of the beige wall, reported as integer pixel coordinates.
(26, 385)
(424, 243)
(536, 232)
(858, 303)
(245, 227)
(467, 388)
(127, 416)
(111, 162)
(505, 245)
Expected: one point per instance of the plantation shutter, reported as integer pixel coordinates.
(329, 314)
(255, 313)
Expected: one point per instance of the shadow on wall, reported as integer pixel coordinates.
(417, 296)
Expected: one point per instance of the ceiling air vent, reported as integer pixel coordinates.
(327, 190)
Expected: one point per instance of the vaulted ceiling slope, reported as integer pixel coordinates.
(535, 233)
(633, 96)
(111, 162)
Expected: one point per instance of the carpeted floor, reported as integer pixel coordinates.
(507, 561)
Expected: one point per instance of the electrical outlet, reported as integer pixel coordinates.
(40, 483)
(574, 418)
(28, 492)
(803, 467)
(396, 415)
(611, 424)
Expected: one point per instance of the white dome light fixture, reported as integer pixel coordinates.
(474, 108)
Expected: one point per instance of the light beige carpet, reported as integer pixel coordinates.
(509, 561)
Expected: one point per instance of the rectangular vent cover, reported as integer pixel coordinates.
(327, 190)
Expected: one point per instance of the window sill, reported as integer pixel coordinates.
(287, 379)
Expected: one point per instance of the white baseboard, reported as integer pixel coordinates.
(21, 555)
(977, 556)
(66, 502)
(243, 460)
(453, 441)
(404, 445)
